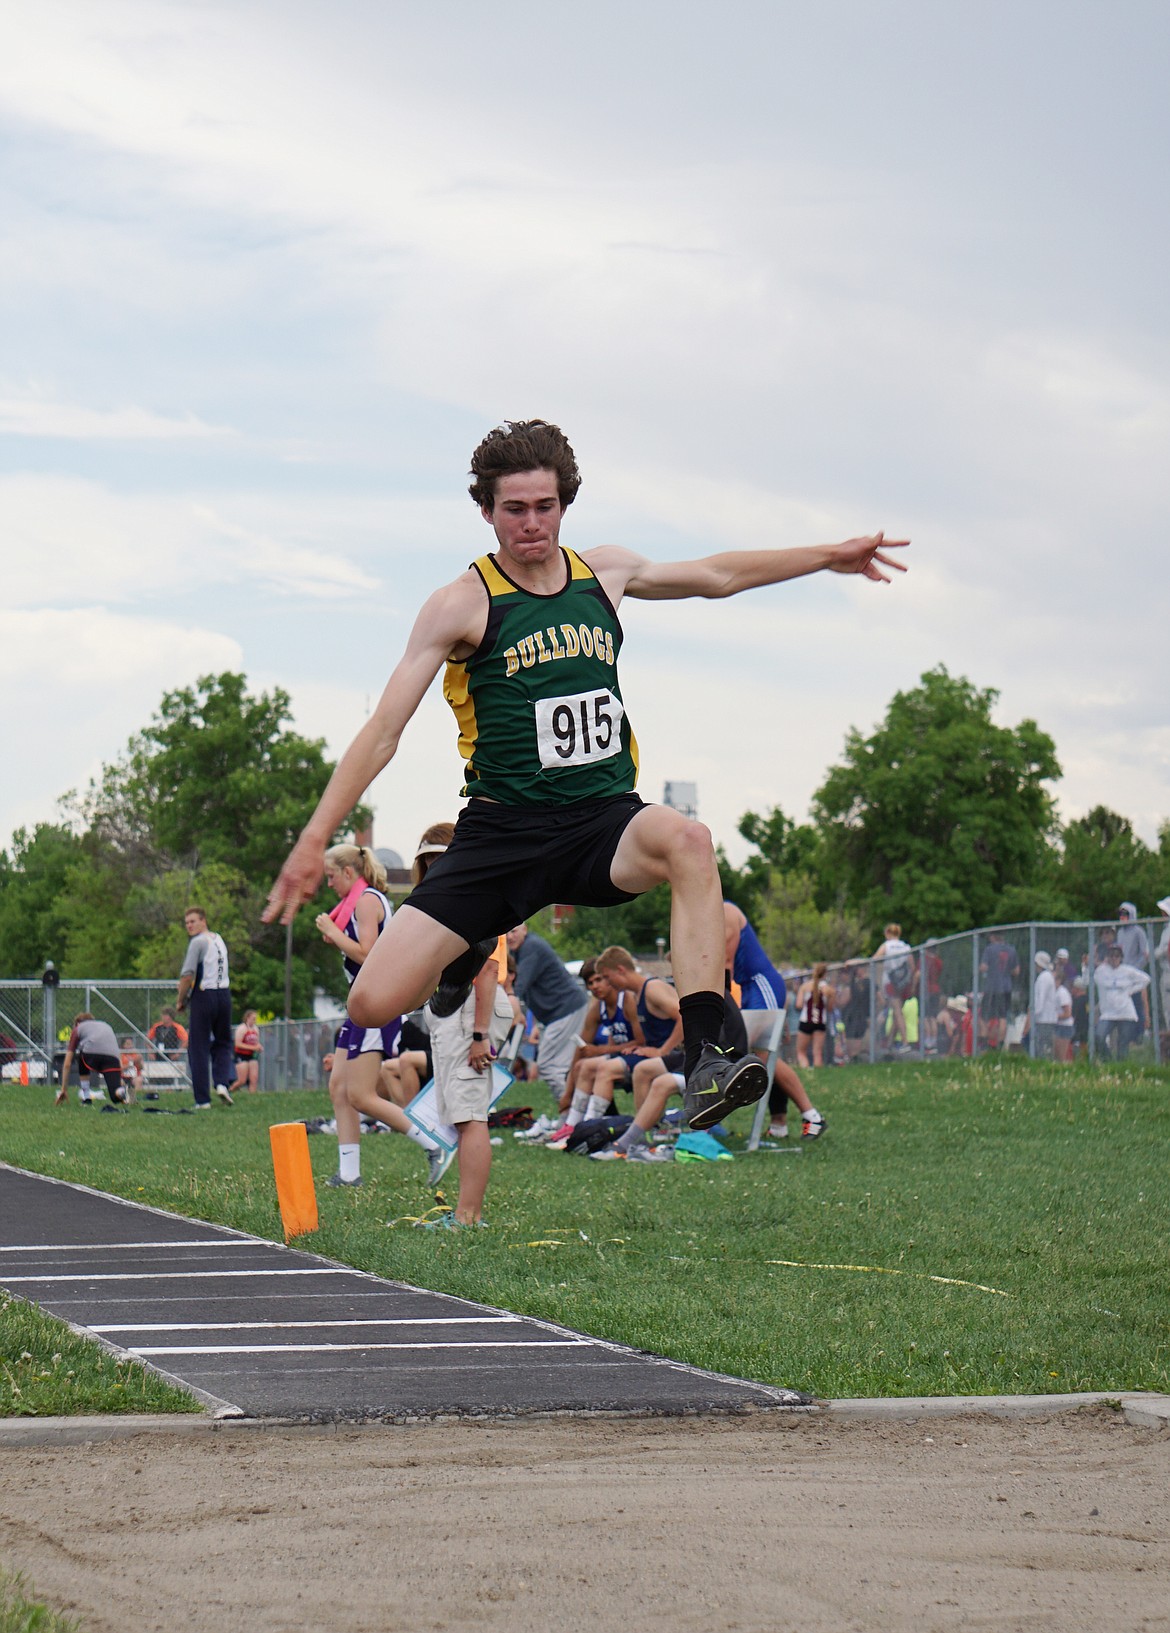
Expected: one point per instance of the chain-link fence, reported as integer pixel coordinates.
(36, 1019)
(1056, 991)
(293, 1053)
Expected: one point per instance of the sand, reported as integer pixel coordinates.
(766, 1523)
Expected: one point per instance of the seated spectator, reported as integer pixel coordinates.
(131, 1068)
(656, 1011)
(558, 1002)
(656, 1079)
(956, 1034)
(1118, 1020)
(611, 1025)
(167, 1038)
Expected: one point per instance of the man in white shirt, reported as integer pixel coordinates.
(1045, 1009)
(204, 980)
(1117, 1017)
(1162, 957)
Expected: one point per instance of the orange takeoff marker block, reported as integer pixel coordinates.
(24, 1073)
(294, 1178)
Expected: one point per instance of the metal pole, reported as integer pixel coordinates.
(1032, 990)
(288, 971)
(872, 1013)
(1092, 993)
(1155, 992)
(922, 1003)
(974, 994)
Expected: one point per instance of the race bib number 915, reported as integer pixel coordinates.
(578, 730)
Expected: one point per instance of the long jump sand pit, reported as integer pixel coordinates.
(772, 1522)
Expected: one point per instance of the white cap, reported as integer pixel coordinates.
(1043, 961)
(1062, 952)
(1164, 904)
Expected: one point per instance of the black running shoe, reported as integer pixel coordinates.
(456, 980)
(719, 1084)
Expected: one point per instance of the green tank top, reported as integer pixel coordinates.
(541, 719)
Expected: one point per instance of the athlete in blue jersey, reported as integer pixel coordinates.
(762, 994)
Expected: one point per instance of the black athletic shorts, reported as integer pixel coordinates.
(508, 861)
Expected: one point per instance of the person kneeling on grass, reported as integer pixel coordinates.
(95, 1047)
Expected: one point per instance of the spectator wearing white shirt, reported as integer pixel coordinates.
(1117, 985)
(1045, 1010)
(1062, 1037)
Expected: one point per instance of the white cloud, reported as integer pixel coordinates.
(39, 416)
(74, 541)
(80, 683)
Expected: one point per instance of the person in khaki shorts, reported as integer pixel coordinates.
(462, 1047)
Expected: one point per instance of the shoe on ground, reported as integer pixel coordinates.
(540, 1131)
(438, 1162)
(813, 1126)
(608, 1153)
(222, 1092)
(650, 1153)
(448, 1221)
(350, 1184)
(456, 981)
(778, 1131)
(720, 1083)
(558, 1145)
(203, 1105)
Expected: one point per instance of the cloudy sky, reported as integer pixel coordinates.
(784, 272)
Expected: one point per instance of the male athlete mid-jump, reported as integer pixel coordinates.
(530, 639)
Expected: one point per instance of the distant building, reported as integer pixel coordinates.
(682, 796)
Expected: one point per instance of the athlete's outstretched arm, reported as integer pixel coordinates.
(731, 571)
(441, 625)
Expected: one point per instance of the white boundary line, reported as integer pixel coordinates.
(117, 1247)
(277, 1326)
(752, 1389)
(314, 1349)
(173, 1275)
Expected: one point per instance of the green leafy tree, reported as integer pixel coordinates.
(936, 815)
(636, 925)
(33, 875)
(1103, 863)
(203, 806)
(780, 846)
(794, 931)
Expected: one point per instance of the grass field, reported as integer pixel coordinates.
(19, 1614)
(1045, 1187)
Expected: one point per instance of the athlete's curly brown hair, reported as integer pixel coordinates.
(523, 445)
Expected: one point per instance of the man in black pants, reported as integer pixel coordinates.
(204, 980)
(529, 637)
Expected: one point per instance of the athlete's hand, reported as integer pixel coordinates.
(297, 880)
(867, 556)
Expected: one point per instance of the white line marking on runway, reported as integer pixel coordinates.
(114, 1247)
(311, 1349)
(264, 1326)
(177, 1275)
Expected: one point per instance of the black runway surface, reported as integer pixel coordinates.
(266, 1331)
